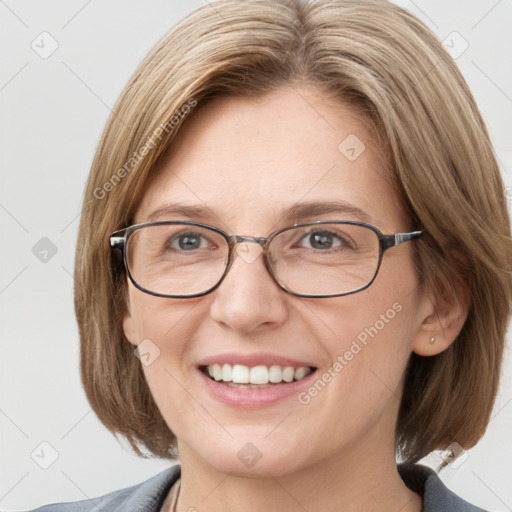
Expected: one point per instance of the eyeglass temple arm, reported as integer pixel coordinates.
(117, 242)
(398, 239)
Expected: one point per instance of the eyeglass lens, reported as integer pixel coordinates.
(325, 259)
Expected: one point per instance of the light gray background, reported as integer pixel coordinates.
(52, 113)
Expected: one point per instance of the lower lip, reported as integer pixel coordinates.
(254, 398)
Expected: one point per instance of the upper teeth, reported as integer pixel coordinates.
(240, 374)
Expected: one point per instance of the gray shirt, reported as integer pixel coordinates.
(150, 495)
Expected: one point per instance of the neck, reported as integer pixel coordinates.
(351, 482)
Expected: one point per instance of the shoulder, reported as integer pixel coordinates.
(436, 496)
(147, 496)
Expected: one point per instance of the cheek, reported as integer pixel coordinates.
(369, 352)
(374, 320)
(165, 328)
(159, 319)
(369, 336)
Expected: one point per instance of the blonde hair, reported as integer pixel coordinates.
(386, 64)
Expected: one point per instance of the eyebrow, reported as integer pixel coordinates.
(291, 214)
(312, 209)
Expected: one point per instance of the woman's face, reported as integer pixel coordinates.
(246, 162)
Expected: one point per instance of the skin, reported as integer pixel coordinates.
(246, 159)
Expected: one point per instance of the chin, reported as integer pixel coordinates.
(248, 459)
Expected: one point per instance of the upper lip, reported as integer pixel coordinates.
(252, 360)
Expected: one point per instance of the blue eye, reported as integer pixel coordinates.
(187, 242)
(324, 240)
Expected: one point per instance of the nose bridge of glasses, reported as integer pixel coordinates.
(236, 239)
(248, 253)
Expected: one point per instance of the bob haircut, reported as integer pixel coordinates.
(393, 71)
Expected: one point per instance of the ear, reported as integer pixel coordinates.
(129, 328)
(443, 319)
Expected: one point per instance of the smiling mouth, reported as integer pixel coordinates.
(260, 376)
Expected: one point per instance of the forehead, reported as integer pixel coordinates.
(248, 159)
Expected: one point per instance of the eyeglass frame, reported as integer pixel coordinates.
(119, 240)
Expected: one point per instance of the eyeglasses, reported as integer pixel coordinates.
(182, 259)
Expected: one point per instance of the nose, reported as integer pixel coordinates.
(248, 299)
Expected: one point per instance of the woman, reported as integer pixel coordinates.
(294, 263)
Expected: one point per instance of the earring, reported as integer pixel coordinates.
(432, 339)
